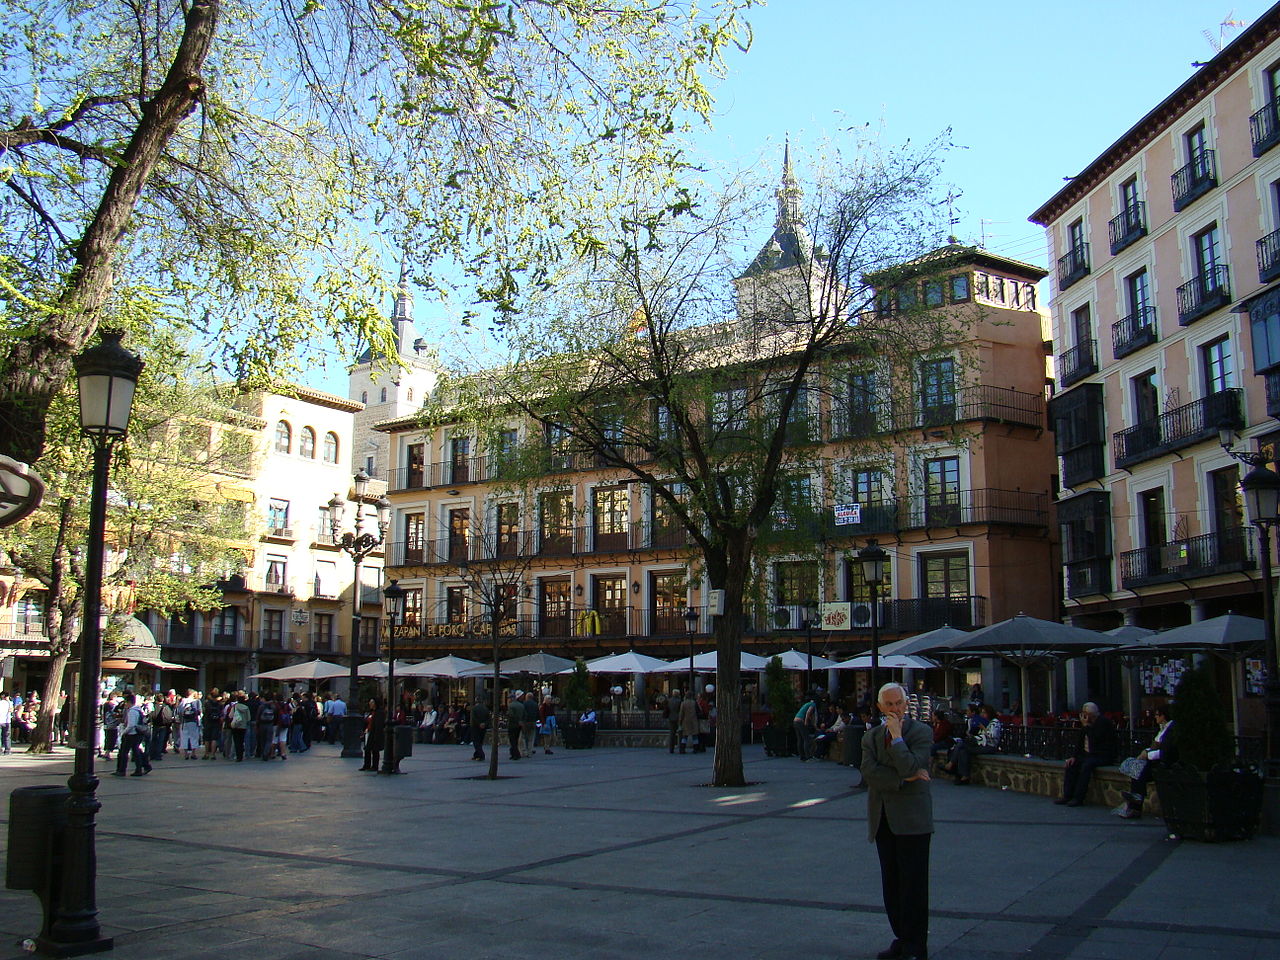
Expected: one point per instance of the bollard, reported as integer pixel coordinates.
(37, 825)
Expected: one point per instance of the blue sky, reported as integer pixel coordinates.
(1032, 91)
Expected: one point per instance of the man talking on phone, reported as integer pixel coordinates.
(895, 768)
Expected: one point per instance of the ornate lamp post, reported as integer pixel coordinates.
(393, 605)
(357, 546)
(873, 557)
(107, 375)
(1261, 488)
(691, 625)
(810, 621)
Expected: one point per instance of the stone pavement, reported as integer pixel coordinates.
(622, 853)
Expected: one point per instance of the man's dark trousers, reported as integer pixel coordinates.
(478, 742)
(1075, 778)
(513, 739)
(904, 877)
(135, 745)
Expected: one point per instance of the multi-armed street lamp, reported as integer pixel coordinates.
(357, 546)
(107, 375)
(1261, 489)
(873, 557)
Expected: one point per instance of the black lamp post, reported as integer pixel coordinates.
(357, 546)
(107, 375)
(393, 604)
(691, 623)
(1261, 489)
(872, 557)
(810, 621)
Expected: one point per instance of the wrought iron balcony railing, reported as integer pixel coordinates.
(1271, 380)
(1264, 128)
(1087, 578)
(1073, 266)
(1178, 428)
(1133, 332)
(1084, 463)
(1203, 294)
(1129, 226)
(1228, 551)
(1194, 180)
(1269, 257)
(1077, 363)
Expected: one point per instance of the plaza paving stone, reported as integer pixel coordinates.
(618, 853)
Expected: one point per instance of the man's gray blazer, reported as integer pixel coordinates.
(908, 806)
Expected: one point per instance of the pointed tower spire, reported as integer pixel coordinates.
(404, 298)
(789, 192)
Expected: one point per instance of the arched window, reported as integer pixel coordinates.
(364, 396)
(307, 443)
(284, 437)
(330, 448)
(409, 395)
(384, 395)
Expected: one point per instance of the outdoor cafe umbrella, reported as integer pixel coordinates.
(1130, 633)
(629, 662)
(1230, 636)
(540, 664)
(798, 660)
(377, 669)
(311, 670)
(1025, 641)
(709, 662)
(939, 639)
(892, 661)
(130, 658)
(450, 666)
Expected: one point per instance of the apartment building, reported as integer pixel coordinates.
(957, 490)
(291, 598)
(1166, 330)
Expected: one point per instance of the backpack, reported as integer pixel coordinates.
(267, 713)
(190, 711)
(284, 717)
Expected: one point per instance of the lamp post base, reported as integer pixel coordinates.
(57, 948)
(352, 733)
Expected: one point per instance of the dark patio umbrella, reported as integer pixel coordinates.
(938, 640)
(1028, 641)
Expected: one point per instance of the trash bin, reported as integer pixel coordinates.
(404, 740)
(37, 822)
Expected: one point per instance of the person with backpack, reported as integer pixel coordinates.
(239, 721)
(132, 744)
(189, 717)
(112, 714)
(284, 725)
(211, 724)
(162, 720)
(266, 726)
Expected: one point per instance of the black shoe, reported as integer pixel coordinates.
(138, 773)
(961, 781)
(118, 773)
(893, 953)
(1061, 801)
(1075, 803)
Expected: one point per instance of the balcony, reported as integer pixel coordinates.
(1083, 464)
(1271, 380)
(1194, 180)
(985, 506)
(873, 517)
(1181, 427)
(977, 402)
(1073, 266)
(929, 613)
(1128, 227)
(282, 534)
(1133, 332)
(1264, 129)
(1078, 362)
(1269, 257)
(1087, 578)
(1229, 551)
(1204, 294)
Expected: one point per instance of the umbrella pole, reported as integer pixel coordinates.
(1022, 670)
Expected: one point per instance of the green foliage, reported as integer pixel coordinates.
(1200, 721)
(577, 691)
(783, 704)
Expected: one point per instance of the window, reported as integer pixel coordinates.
(555, 512)
(1151, 517)
(729, 409)
(326, 584)
(610, 509)
(1075, 237)
(857, 415)
(942, 491)
(938, 390)
(1271, 84)
(1228, 510)
(795, 583)
(1146, 396)
(944, 576)
(1197, 146)
(459, 459)
(278, 516)
(369, 625)
(667, 603)
(1129, 199)
(284, 437)
(959, 287)
(307, 443)
(415, 466)
(412, 606)
(383, 396)
(933, 293)
(1218, 366)
(1264, 326)
(409, 395)
(609, 595)
(1138, 292)
(1205, 252)
(415, 532)
(459, 534)
(273, 628)
(455, 604)
(558, 446)
(225, 623)
(331, 451)
(555, 607)
(867, 485)
(324, 631)
(277, 568)
(794, 502)
(508, 521)
(667, 530)
(29, 614)
(1082, 326)
(364, 397)
(907, 297)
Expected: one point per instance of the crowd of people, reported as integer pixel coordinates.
(19, 715)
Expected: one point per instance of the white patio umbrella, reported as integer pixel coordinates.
(709, 662)
(311, 670)
(629, 662)
(377, 669)
(450, 666)
(799, 660)
(892, 661)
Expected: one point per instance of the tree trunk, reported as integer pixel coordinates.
(42, 735)
(37, 366)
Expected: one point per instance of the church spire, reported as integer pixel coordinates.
(403, 311)
(789, 192)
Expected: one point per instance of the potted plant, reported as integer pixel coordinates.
(778, 735)
(577, 698)
(1206, 795)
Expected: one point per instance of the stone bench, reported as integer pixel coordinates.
(1044, 777)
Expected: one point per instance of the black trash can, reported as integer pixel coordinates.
(37, 823)
(404, 740)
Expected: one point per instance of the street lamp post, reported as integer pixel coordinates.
(810, 621)
(873, 557)
(1261, 488)
(393, 600)
(691, 623)
(357, 546)
(107, 375)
